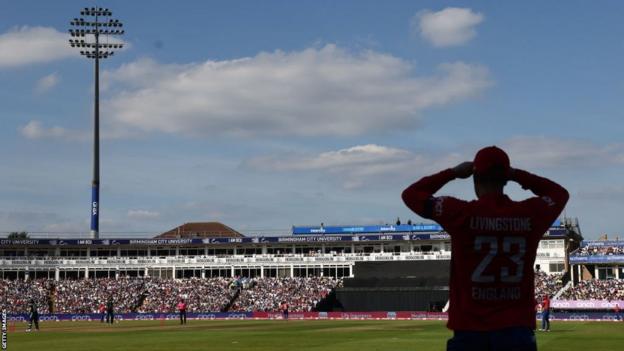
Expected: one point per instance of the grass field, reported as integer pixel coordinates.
(291, 335)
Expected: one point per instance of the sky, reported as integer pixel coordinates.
(268, 114)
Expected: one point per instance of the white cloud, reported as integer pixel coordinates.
(331, 160)
(27, 45)
(142, 214)
(35, 130)
(548, 152)
(360, 165)
(375, 165)
(46, 83)
(315, 92)
(449, 27)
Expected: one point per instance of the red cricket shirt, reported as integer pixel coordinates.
(546, 304)
(494, 243)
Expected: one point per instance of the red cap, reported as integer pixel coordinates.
(492, 162)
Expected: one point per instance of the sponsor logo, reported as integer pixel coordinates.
(439, 236)
(49, 318)
(237, 315)
(609, 317)
(391, 315)
(206, 316)
(578, 316)
(144, 317)
(356, 316)
(80, 317)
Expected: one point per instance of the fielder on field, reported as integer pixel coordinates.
(494, 243)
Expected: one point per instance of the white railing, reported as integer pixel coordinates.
(235, 260)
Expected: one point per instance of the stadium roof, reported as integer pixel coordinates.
(201, 230)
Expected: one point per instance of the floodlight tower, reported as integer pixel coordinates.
(87, 34)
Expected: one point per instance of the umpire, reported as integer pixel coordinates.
(34, 316)
(110, 313)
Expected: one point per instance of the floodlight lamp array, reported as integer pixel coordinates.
(86, 33)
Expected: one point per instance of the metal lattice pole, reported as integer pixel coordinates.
(87, 34)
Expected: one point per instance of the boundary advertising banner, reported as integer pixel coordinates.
(399, 315)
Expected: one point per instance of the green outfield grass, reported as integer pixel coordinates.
(291, 335)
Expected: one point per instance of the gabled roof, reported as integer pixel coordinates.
(201, 230)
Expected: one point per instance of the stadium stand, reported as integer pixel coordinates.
(547, 284)
(267, 294)
(84, 296)
(151, 295)
(200, 295)
(608, 290)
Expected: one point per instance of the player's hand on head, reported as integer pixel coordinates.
(463, 170)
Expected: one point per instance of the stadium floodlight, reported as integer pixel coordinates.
(87, 33)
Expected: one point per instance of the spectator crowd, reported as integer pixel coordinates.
(268, 294)
(600, 250)
(594, 289)
(547, 284)
(153, 295)
(200, 295)
(162, 295)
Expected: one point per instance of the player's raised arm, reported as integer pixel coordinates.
(419, 196)
(552, 196)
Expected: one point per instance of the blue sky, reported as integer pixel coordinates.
(264, 115)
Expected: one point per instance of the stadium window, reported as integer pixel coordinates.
(12, 253)
(606, 273)
(555, 267)
(73, 253)
(283, 272)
